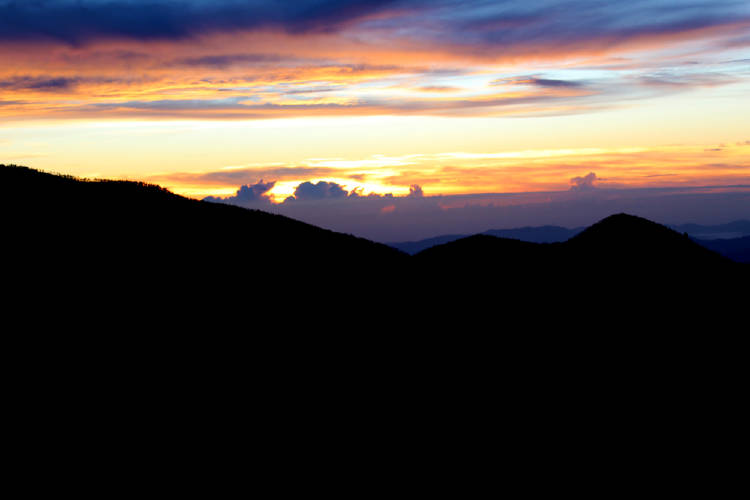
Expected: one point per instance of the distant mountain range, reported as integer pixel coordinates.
(737, 249)
(135, 247)
(731, 240)
(736, 229)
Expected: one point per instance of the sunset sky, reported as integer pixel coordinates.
(333, 99)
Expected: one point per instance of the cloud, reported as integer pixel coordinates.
(508, 171)
(482, 28)
(259, 107)
(548, 82)
(321, 190)
(44, 84)
(331, 191)
(536, 81)
(82, 21)
(584, 183)
(688, 80)
(247, 195)
(351, 51)
(235, 176)
(415, 191)
(525, 27)
(222, 61)
(177, 104)
(439, 88)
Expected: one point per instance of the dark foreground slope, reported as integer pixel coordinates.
(130, 239)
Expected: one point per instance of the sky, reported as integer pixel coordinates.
(396, 118)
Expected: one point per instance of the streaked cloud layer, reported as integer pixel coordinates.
(507, 172)
(263, 59)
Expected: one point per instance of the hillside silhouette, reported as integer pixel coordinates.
(122, 241)
(149, 220)
(621, 245)
(623, 265)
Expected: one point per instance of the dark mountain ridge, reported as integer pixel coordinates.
(116, 242)
(618, 260)
(127, 241)
(118, 215)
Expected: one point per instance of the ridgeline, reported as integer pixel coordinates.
(120, 240)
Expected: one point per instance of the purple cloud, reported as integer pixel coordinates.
(415, 191)
(584, 183)
(247, 195)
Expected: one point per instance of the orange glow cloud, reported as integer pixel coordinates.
(509, 172)
(267, 73)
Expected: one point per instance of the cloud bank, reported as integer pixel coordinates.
(247, 195)
(267, 59)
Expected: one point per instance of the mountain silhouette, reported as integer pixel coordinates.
(137, 215)
(632, 242)
(618, 260)
(116, 241)
(124, 242)
(138, 307)
(702, 234)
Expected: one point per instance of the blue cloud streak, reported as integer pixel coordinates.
(479, 24)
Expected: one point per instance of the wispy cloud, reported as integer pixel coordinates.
(584, 183)
(85, 21)
(168, 59)
(505, 172)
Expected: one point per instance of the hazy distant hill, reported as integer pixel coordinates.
(737, 249)
(731, 230)
(541, 234)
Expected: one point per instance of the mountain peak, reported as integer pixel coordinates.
(624, 226)
(631, 242)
